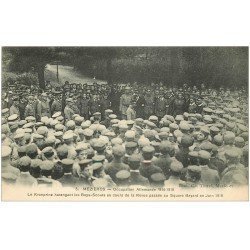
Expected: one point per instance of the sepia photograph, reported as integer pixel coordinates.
(124, 123)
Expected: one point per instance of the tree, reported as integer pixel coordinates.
(25, 59)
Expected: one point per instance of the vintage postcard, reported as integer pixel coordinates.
(124, 124)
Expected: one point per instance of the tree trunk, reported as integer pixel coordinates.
(109, 71)
(40, 72)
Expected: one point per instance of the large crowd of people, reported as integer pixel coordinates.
(102, 135)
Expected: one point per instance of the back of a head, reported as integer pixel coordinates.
(134, 161)
(165, 147)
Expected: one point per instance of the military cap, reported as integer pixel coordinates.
(6, 151)
(244, 135)
(31, 148)
(60, 118)
(30, 118)
(45, 120)
(122, 175)
(239, 140)
(3, 120)
(138, 121)
(24, 161)
(206, 145)
(112, 116)
(5, 111)
(218, 139)
(184, 126)
(59, 127)
(165, 147)
(214, 129)
(242, 127)
(230, 125)
(50, 140)
(100, 127)
(130, 144)
(130, 122)
(37, 136)
(143, 141)
(99, 144)
(130, 134)
(38, 124)
(116, 140)
(123, 127)
(79, 119)
(48, 151)
(70, 124)
(29, 125)
(151, 124)
(187, 141)
(163, 135)
(193, 154)
(108, 111)
(207, 119)
(118, 150)
(19, 136)
(153, 118)
(178, 133)
(203, 154)
(42, 130)
(36, 163)
(198, 116)
(179, 118)
(58, 134)
(53, 123)
(96, 165)
(240, 121)
(57, 114)
(97, 114)
(208, 110)
(176, 166)
(232, 154)
(98, 158)
(229, 136)
(157, 177)
(68, 136)
(134, 158)
(88, 132)
(194, 169)
(148, 149)
(22, 149)
(67, 162)
(47, 165)
(173, 126)
(110, 134)
(127, 88)
(69, 100)
(85, 124)
(12, 117)
(169, 117)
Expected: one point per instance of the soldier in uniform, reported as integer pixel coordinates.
(14, 109)
(43, 107)
(160, 105)
(178, 105)
(68, 111)
(56, 105)
(125, 102)
(30, 109)
(136, 178)
(25, 178)
(149, 104)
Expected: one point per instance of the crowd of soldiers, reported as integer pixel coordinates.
(124, 135)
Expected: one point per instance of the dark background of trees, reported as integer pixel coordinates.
(213, 66)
